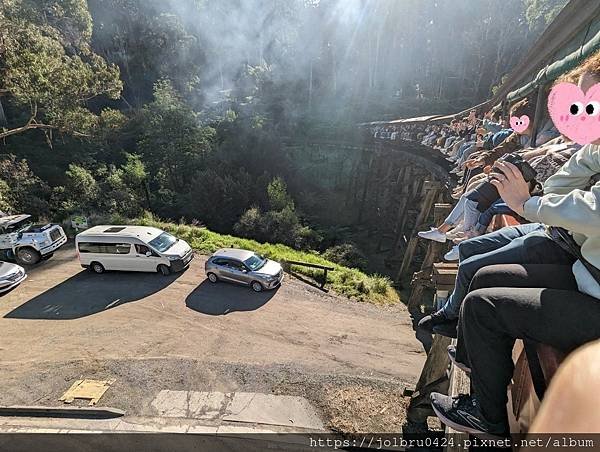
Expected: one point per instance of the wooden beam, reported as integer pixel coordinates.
(434, 253)
(433, 378)
(459, 383)
(365, 189)
(431, 191)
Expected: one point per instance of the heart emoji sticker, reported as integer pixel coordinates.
(575, 114)
(519, 125)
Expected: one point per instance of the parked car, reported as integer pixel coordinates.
(132, 248)
(26, 242)
(244, 267)
(11, 275)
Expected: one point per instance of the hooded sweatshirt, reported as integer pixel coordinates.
(572, 200)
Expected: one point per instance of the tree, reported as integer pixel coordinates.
(172, 140)
(279, 224)
(540, 13)
(279, 198)
(20, 190)
(124, 188)
(150, 40)
(47, 67)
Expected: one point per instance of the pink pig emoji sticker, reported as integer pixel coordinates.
(519, 125)
(575, 114)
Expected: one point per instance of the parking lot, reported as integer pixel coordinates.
(153, 333)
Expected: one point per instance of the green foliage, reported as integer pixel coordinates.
(280, 223)
(81, 186)
(540, 13)
(344, 281)
(171, 140)
(5, 201)
(149, 40)
(347, 255)
(48, 66)
(495, 88)
(279, 199)
(106, 189)
(20, 190)
(187, 106)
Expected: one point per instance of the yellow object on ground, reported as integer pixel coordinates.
(87, 389)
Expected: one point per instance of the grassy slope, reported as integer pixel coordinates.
(344, 281)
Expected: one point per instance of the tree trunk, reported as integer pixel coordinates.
(3, 121)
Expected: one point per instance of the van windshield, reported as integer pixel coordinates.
(163, 242)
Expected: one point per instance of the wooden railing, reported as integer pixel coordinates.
(325, 269)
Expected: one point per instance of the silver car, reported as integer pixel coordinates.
(11, 275)
(244, 267)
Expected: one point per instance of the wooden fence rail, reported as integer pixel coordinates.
(325, 269)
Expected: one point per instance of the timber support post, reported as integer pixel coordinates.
(433, 379)
(434, 252)
(431, 190)
(365, 189)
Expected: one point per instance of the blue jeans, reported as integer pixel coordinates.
(523, 244)
(463, 147)
(498, 208)
(464, 156)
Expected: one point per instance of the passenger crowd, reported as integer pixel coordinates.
(538, 280)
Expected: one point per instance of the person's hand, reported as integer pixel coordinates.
(510, 184)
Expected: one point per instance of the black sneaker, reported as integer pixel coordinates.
(452, 355)
(463, 414)
(429, 321)
(449, 328)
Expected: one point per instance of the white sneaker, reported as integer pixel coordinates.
(433, 234)
(452, 255)
(455, 233)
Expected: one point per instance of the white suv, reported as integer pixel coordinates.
(27, 242)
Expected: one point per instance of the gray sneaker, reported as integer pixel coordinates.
(463, 414)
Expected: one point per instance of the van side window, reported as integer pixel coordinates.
(123, 248)
(104, 248)
(141, 249)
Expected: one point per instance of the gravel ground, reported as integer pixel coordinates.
(149, 333)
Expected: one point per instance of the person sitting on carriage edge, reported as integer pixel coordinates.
(528, 243)
(545, 290)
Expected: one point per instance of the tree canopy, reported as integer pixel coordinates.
(48, 68)
(186, 108)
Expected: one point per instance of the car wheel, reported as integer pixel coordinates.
(97, 267)
(28, 256)
(256, 286)
(212, 278)
(164, 270)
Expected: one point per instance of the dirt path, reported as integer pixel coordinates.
(180, 332)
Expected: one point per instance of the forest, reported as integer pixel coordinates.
(182, 108)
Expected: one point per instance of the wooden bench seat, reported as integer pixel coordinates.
(444, 276)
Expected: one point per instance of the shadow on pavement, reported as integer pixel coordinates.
(87, 293)
(222, 298)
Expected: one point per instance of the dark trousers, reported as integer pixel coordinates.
(523, 244)
(538, 302)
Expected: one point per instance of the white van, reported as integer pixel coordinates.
(132, 248)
